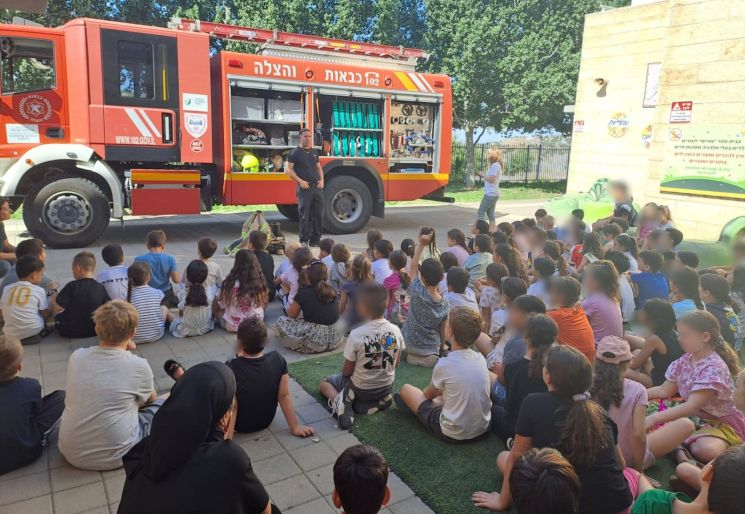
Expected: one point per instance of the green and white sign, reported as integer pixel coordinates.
(705, 160)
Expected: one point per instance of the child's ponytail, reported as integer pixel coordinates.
(541, 333)
(398, 262)
(137, 275)
(585, 432)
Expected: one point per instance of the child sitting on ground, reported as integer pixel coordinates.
(544, 482)
(506, 254)
(477, 262)
(627, 246)
(610, 232)
(626, 403)
(625, 289)
(28, 418)
(206, 248)
(147, 300)
(574, 328)
(111, 399)
(75, 304)
(244, 293)
(602, 302)
(396, 285)
(478, 227)
(24, 303)
(360, 481)
(592, 251)
(162, 267)
(371, 354)
(543, 269)
(457, 245)
(459, 294)
(659, 349)
(283, 267)
(359, 272)
(257, 244)
(381, 268)
(684, 291)
(195, 303)
(373, 236)
(262, 382)
(720, 483)
(114, 278)
(703, 378)
(499, 331)
(428, 310)
(491, 292)
(325, 246)
(650, 282)
(290, 278)
(34, 248)
(339, 265)
(523, 377)
(714, 292)
(448, 261)
(317, 331)
(455, 406)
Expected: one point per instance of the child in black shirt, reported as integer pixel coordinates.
(27, 416)
(74, 305)
(262, 382)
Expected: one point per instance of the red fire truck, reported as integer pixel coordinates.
(102, 119)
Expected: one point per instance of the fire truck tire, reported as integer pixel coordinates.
(67, 212)
(288, 211)
(347, 205)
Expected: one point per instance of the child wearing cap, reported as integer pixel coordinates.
(626, 402)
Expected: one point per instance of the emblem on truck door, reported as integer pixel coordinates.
(35, 108)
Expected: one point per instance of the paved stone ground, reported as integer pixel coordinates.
(297, 473)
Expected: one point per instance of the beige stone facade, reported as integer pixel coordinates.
(700, 48)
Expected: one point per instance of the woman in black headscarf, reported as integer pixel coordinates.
(185, 465)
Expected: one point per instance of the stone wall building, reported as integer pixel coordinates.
(661, 103)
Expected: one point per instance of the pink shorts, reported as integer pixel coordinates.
(632, 478)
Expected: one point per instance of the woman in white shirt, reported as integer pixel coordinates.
(491, 186)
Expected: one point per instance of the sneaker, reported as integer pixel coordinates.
(341, 408)
(510, 443)
(385, 402)
(400, 404)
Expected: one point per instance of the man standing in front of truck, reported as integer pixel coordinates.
(304, 168)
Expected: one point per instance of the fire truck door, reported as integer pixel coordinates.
(140, 82)
(32, 93)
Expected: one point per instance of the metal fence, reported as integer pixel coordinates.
(532, 163)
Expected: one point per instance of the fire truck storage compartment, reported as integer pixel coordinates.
(159, 191)
(414, 134)
(350, 123)
(265, 123)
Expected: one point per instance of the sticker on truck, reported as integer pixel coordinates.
(196, 124)
(23, 134)
(195, 102)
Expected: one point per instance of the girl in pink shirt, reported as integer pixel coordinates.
(457, 245)
(396, 284)
(703, 378)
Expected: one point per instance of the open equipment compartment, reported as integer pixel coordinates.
(265, 124)
(351, 124)
(414, 134)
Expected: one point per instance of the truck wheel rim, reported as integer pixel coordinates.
(67, 213)
(346, 206)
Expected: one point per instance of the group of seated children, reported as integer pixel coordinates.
(591, 352)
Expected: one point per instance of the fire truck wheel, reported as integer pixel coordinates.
(66, 212)
(288, 211)
(347, 205)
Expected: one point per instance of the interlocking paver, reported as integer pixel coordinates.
(323, 478)
(410, 506)
(38, 505)
(67, 477)
(274, 469)
(399, 490)
(292, 492)
(313, 456)
(80, 499)
(24, 488)
(318, 506)
(262, 447)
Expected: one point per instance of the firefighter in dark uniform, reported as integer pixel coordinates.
(305, 169)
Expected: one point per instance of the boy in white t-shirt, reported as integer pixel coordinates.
(110, 395)
(114, 278)
(455, 406)
(371, 355)
(381, 269)
(24, 303)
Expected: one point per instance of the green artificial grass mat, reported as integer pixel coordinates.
(443, 475)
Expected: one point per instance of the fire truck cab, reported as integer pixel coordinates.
(102, 119)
